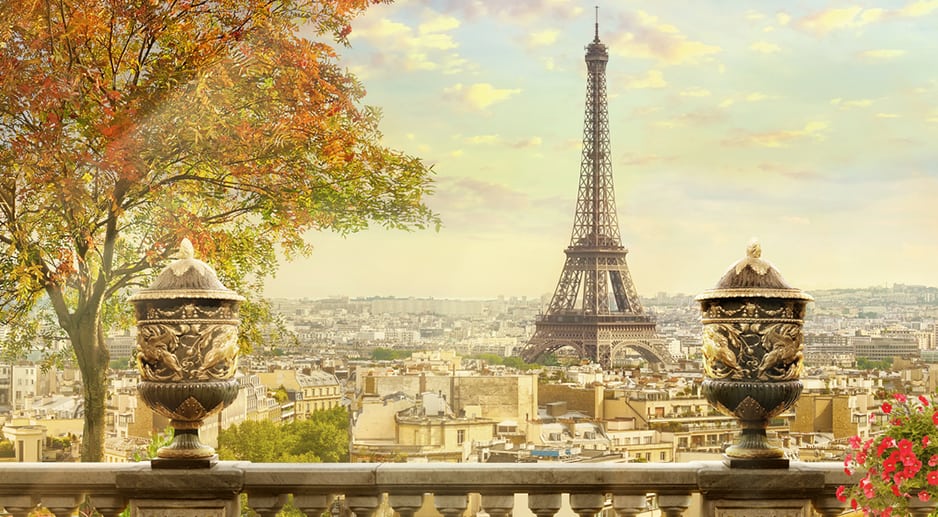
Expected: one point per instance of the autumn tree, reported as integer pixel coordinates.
(126, 125)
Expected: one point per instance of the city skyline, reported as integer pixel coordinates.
(805, 127)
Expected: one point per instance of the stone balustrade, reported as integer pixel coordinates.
(675, 489)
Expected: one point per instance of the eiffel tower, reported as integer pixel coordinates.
(581, 313)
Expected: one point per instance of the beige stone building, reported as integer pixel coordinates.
(841, 415)
(311, 391)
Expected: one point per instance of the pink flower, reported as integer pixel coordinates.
(855, 441)
(887, 408)
(900, 397)
(840, 494)
(934, 418)
(923, 399)
(922, 496)
(933, 461)
(932, 477)
(884, 445)
(925, 440)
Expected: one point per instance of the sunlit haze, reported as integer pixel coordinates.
(811, 128)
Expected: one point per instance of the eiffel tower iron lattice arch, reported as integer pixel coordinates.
(581, 314)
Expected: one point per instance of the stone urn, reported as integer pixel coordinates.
(753, 349)
(186, 352)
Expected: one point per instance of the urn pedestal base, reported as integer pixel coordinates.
(754, 404)
(187, 404)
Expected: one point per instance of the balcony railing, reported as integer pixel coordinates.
(669, 489)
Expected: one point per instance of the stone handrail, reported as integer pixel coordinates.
(709, 487)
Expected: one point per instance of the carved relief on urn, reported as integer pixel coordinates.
(753, 349)
(187, 349)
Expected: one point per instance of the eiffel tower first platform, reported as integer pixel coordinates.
(595, 308)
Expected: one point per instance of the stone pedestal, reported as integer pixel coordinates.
(760, 493)
(169, 493)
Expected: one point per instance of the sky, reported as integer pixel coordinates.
(810, 126)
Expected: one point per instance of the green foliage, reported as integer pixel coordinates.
(388, 354)
(281, 395)
(121, 364)
(157, 440)
(511, 361)
(6, 449)
(864, 363)
(323, 438)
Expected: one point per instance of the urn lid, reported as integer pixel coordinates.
(752, 276)
(186, 277)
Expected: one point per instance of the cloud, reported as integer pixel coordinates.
(789, 172)
(700, 117)
(759, 96)
(479, 96)
(782, 18)
(438, 23)
(472, 203)
(814, 130)
(919, 8)
(883, 53)
(795, 219)
(534, 141)
(887, 115)
(695, 92)
(637, 160)
(765, 47)
(848, 104)
(830, 20)
(482, 139)
(401, 47)
(651, 79)
(642, 35)
(526, 12)
(542, 38)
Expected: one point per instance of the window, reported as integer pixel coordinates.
(662, 456)
(460, 436)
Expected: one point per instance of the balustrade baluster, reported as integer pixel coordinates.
(312, 505)
(405, 504)
(673, 505)
(498, 505)
(108, 506)
(60, 505)
(587, 505)
(629, 505)
(266, 505)
(544, 505)
(19, 505)
(451, 505)
(362, 505)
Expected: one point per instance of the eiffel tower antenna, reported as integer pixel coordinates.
(582, 314)
(596, 37)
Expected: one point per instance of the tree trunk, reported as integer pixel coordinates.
(92, 355)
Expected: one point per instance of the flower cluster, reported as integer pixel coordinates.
(899, 466)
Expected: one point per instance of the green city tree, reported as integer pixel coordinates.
(128, 125)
